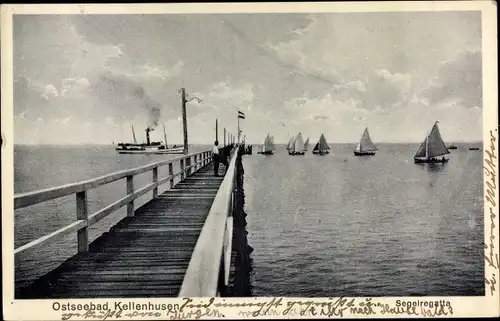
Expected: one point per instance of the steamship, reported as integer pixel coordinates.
(150, 147)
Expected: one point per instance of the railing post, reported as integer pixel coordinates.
(195, 163)
(182, 170)
(82, 214)
(130, 190)
(188, 166)
(155, 180)
(170, 173)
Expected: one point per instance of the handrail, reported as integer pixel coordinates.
(35, 197)
(203, 273)
(84, 220)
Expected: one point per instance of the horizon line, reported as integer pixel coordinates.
(251, 143)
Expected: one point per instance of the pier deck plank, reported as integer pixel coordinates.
(142, 256)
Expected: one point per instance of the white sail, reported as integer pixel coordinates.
(165, 136)
(133, 134)
(433, 145)
(268, 146)
(298, 144)
(290, 143)
(273, 147)
(358, 148)
(366, 144)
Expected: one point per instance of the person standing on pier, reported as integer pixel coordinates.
(219, 156)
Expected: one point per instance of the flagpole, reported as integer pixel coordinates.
(238, 127)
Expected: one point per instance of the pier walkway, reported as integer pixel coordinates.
(177, 244)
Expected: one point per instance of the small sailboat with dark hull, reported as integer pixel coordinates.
(297, 147)
(433, 149)
(321, 147)
(365, 146)
(268, 147)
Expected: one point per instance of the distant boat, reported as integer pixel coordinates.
(365, 146)
(321, 147)
(149, 147)
(452, 146)
(432, 148)
(268, 147)
(473, 148)
(297, 147)
(306, 144)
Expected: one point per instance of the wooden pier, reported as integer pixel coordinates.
(177, 244)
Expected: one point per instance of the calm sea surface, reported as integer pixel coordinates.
(320, 226)
(365, 226)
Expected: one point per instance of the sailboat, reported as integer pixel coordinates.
(306, 144)
(321, 147)
(268, 147)
(432, 148)
(297, 147)
(365, 146)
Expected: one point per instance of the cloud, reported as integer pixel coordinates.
(459, 81)
(49, 91)
(74, 86)
(381, 90)
(225, 97)
(125, 96)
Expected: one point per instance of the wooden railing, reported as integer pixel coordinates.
(208, 270)
(188, 164)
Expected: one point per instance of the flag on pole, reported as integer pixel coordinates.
(241, 115)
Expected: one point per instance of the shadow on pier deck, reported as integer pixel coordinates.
(179, 243)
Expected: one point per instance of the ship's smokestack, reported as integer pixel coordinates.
(148, 141)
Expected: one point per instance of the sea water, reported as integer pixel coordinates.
(319, 225)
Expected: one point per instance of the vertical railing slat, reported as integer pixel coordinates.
(182, 170)
(130, 190)
(82, 213)
(170, 173)
(155, 180)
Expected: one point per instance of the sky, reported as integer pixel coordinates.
(86, 79)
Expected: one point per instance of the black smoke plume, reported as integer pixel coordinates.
(122, 92)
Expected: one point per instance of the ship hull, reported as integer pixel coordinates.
(151, 151)
(296, 153)
(321, 152)
(267, 152)
(430, 160)
(363, 153)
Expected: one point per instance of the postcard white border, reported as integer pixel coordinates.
(42, 309)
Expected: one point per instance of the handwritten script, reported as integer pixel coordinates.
(212, 308)
(490, 170)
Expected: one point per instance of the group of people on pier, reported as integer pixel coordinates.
(220, 155)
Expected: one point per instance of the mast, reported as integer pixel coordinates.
(427, 145)
(184, 120)
(165, 136)
(133, 135)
